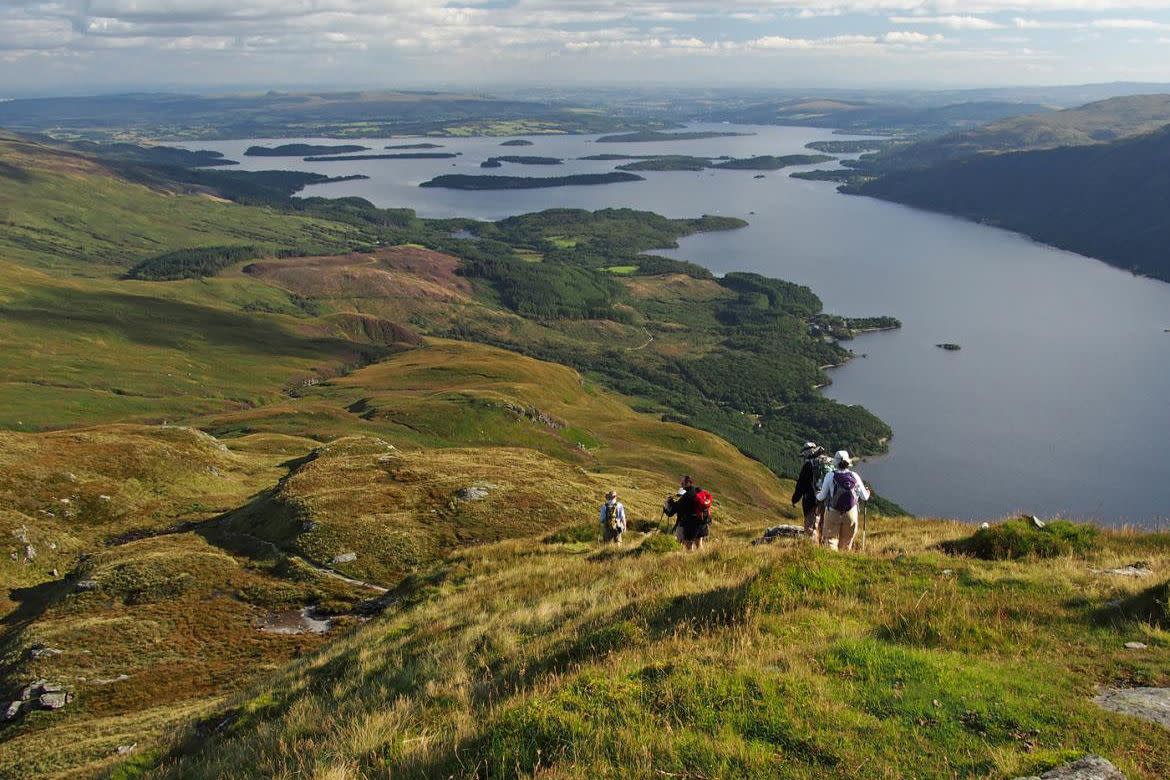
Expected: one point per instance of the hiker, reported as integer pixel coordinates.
(613, 519)
(813, 471)
(841, 491)
(691, 508)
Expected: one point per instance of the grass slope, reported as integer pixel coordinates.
(65, 211)
(526, 659)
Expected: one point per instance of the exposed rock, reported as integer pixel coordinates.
(104, 497)
(54, 701)
(1152, 704)
(111, 680)
(473, 493)
(296, 621)
(30, 552)
(1087, 768)
(32, 690)
(1136, 569)
(308, 526)
(12, 710)
(124, 750)
(41, 651)
(1036, 521)
(84, 585)
(1136, 645)
(345, 557)
(780, 532)
(984, 526)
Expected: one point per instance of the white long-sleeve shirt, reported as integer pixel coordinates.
(621, 513)
(861, 491)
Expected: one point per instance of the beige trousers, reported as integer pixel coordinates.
(840, 528)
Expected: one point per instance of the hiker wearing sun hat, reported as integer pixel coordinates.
(812, 473)
(613, 519)
(841, 491)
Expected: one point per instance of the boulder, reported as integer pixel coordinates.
(53, 701)
(345, 558)
(473, 493)
(42, 651)
(1136, 569)
(1152, 704)
(12, 710)
(782, 531)
(85, 585)
(1136, 645)
(127, 749)
(1087, 768)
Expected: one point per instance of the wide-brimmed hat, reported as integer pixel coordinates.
(810, 448)
(841, 460)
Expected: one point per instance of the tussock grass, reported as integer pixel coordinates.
(1020, 538)
(775, 661)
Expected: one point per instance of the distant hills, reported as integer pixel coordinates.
(1105, 200)
(1099, 122)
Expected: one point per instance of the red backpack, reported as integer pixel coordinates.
(704, 500)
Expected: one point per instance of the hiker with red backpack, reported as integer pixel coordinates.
(691, 508)
(842, 490)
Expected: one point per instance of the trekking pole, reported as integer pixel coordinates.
(864, 516)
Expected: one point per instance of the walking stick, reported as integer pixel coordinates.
(864, 516)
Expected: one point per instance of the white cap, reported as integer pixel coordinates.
(841, 459)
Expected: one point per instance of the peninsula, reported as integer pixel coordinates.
(459, 181)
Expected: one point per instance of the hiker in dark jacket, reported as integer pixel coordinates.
(812, 473)
(691, 520)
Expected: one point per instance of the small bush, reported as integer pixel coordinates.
(1022, 539)
(584, 532)
(657, 544)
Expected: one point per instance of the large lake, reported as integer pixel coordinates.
(1057, 402)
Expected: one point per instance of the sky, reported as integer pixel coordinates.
(83, 46)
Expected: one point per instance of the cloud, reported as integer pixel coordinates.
(483, 36)
(952, 22)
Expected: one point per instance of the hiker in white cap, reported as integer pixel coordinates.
(813, 471)
(841, 491)
(613, 519)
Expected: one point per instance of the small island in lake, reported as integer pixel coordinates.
(301, 150)
(517, 142)
(769, 162)
(851, 147)
(402, 156)
(520, 160)
(679, 162)
(949, 347)
(459, 181)
(647, 136)
(842, 175)
(416, 146)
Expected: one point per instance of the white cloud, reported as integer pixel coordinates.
(952, 22)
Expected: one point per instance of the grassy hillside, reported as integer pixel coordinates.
(527, 659)
(69, 211)
(1102, 200)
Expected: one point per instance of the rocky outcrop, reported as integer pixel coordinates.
(1152, 704)
(1087, 768)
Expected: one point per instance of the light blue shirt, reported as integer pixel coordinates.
(621, 514)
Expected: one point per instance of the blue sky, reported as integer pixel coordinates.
(60, 46)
